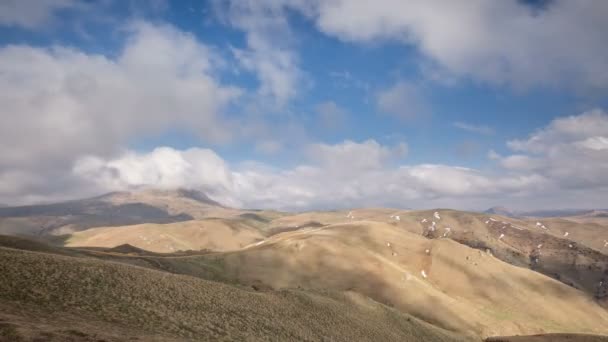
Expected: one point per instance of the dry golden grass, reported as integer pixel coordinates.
(551, 338)
(336, 260)
(466, 290)
(215, 234)
(144, 302)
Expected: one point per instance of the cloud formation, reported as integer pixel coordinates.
(59, 103)
(553, 165)
(499, 42)
(74, 114)
(572, 151)
(336, 176)
(268, 53)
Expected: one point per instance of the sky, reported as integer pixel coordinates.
(307, 104)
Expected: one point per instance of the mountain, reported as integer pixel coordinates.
(500, 211)
(113, 209)
(547, 213)
(556, 212)
(442, 274)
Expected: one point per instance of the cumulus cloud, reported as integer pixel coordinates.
(354, 156)
(564, 164)
(571, 151)
(556, 164)
(335, 176)
(403, 100)
(268, 53)
(499, 42)
(163, 167)
(60, 103)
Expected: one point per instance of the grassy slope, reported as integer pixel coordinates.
(466, 289)
(215, 234)
(93, 294)
(457, 277)
(551, 338)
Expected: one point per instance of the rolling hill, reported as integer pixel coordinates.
(54, 297)
(471, 291)
(456, 275)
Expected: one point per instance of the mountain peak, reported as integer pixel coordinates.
(148, 193)
(500, 210)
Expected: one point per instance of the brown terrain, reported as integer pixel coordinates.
(194, 270)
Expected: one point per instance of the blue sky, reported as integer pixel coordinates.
(432, 96)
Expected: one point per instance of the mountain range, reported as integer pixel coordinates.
(174, 265)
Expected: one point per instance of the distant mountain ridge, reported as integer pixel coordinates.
(500, 210)
(145, 205)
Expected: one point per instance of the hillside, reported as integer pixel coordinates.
(409, 272)
(573, 253)
(55, 297)
(469, 273)
(113, 209)
(214, 234)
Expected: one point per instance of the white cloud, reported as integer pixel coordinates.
(403, 100)
(163, 167)
(521, 162)
(353, 156)
(268, 53)
(481, 129)
(276, 69)
(60, 103)
(571, 151)
(341, 175)
(32, 14)
(564, 131)
(500, 42)
(594, 143)
(447, 181)
(563, 164)
(565, 160)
